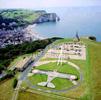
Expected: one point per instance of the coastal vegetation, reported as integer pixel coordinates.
(15, 83)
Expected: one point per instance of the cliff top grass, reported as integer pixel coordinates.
(90, 87)
(24, 15)
(91, 69)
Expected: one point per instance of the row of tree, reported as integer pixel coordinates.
(12, 51)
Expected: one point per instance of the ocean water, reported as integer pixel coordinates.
(84, 20)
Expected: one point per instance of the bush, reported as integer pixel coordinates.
(92, 38)
(15, 83)
(10, 73)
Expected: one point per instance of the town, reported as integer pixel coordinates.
(16, 36)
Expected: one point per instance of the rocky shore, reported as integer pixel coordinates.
(47, 17)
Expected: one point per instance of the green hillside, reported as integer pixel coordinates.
(21, 15)
(90, 88)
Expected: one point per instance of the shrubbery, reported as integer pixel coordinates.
(92, 38)
(15, 83)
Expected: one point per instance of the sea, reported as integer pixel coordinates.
(84, 20)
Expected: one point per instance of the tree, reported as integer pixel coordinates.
(1, 68)
(92, 38)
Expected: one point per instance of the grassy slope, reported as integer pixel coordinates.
(95, 64)
(26, 15)
(94, 88)
(6, 89)
(63, 83)
(65, 68)
(90, 89)
(92, 73)
(79, 92)
(35, 96)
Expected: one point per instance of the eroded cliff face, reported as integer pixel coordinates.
(48, 17)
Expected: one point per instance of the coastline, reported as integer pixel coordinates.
(31, 32)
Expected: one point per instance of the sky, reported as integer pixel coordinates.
(47, 3)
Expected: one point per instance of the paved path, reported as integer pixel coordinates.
(54, 74)
(16, 91)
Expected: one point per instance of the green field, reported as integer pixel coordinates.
(89, 89)
(60, 84)
(38, 96)
(6, 89)
(22, 15)
(64, 68)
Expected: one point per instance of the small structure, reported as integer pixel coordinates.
(77, 36)
(22, 64)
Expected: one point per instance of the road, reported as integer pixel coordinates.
(28, 69)
(55, 74)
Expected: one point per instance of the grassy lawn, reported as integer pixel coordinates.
(84, 91)
(62, 84)
(45, 59)
(32, 17)
(26, 15)
(62, 41)
(36, 96)
(64, 68)
(58, 82)
(6, 89)
(95, 64)
(37, 78)
(89, 89)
